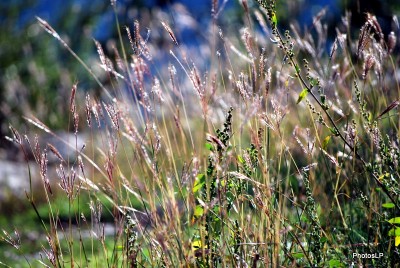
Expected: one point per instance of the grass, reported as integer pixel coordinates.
(280, 153)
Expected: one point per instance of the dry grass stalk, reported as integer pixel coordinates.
(88, 106)
(156, 90)
(16, 137)
(51, 253)
(131, 133)
(392, 40)
(261, 64)
(37, 123)
(371, 26)
(15, 242)
(72, 107)
(49, 29)
(196, 81)
(170, 32)
(118, 59)
(100, 51)
(364, 38)
(172, 74)
(261, 21)
(43, 171)
(216, 141)
(214, 8)
(109, 167)
(133, 40)
(67, 183)
(333, 49)
(331, 158)
(245, 6)
(113, 112)
(97, 113)
(390, 107)
(136, 38)
(36, 150)
(248, 42)
(369, 63)
(55, 152)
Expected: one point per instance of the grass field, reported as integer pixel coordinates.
(267, 147)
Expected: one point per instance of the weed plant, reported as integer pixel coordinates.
(279, 154)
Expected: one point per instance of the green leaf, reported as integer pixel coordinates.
(298, 255)
(297, 69)
(313, 82)
(240, 159)
(335, 263)
(209, 146)
(391, 106)
(198, 184)
(333, 131)
(198, 211)
(274, 19)
(326, 141)
(388, 205)
(381, 177)
(394, 232)
(304, 218)
(197, 244)
(302, 95)
(395, 220)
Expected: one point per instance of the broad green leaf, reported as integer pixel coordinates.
(313, 82)
(298, 255)
(297, 69)
(197, 244)
(198, 211)
(395, 220)
(209, 146)
(304, 218)
(198, 184)
(274, 19)
(326, 141)
(335, 263)
(302, 95)
(397, 241)
(394, 232)
(223, 183)
(383, 176)
(333, 131)
(388, 205)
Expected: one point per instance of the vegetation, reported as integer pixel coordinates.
(278, 153)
